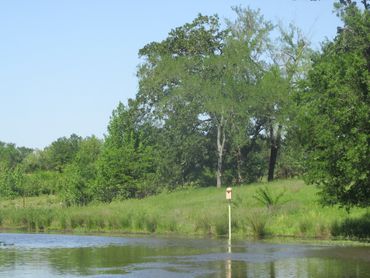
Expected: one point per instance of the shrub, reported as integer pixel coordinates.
(353, 227)
(264, 196)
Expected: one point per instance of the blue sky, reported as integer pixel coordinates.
(65, 65)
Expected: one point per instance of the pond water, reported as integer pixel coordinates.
(50, 255)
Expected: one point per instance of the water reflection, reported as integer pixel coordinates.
(45, 256)
(229, 272)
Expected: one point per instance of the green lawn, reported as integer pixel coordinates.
(197, 211)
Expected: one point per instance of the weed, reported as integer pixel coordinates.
(264, 196)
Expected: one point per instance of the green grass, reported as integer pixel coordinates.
(198, 211)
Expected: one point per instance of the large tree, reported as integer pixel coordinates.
(171, 104)
(231, 85)
(335, 114)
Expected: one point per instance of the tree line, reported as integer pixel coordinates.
(222, 103)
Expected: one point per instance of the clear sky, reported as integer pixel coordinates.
(65, 65)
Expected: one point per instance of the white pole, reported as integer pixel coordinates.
(229, 221)
(228, 198)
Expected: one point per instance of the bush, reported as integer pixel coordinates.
(264, 196)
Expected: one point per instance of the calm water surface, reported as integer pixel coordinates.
(49, 255)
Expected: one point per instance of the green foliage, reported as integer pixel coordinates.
(183, 149)
(61, 152)
(35, 161)
(45, 182)
(291, 159)
(14, 182)
(81, 173)
(126, 162)
(11, 156)
(335, 114)
(7, 185)
(12, 176)
(19, 179)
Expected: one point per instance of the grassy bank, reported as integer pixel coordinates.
(284, 208)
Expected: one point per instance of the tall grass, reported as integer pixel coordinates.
(193, 211)
(257, 221)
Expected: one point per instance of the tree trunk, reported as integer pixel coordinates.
(244, 151)
(272, 162)
(239, 163)
(274, 148)
(220, 149)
